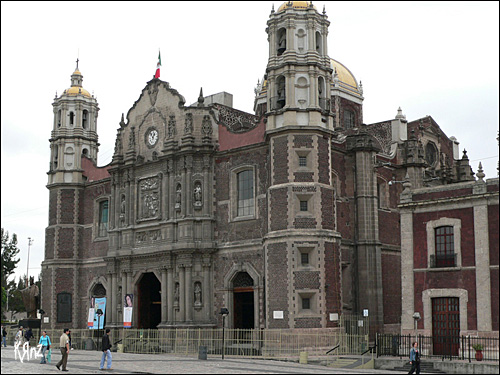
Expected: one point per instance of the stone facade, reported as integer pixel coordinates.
(288, 217)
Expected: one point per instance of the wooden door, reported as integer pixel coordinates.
(445, 326)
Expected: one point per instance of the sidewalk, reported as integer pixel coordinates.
(87, 362)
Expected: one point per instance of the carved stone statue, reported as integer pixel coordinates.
(197, 294)
(197, 195)
(29, 295)
(176, 294)
(178, 197)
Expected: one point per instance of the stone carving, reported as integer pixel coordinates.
(153, 91)
(171, 127)
(131, 138)
(150, 198)
(118, 144)
(206, 126)
(147, 237)
(176, 295)
(197, 294)
(29, 298)
(197, 195)
(236, 121)
(178, 197)
(188, 126)
(123, 205)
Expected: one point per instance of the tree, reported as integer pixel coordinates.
(9, 264)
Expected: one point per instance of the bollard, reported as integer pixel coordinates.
(303, 358)
(120, 348)
(202, 352)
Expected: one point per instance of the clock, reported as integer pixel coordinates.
(152, 137)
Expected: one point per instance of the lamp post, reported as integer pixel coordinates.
(99, 314)
(416, 318)
(223, 311)
(30, 241)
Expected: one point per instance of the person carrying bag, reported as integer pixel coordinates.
(414, 359)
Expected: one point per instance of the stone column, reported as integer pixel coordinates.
(207, 303)
(483, 278)
(165, 201)
(124, 291)
(184, 191)
(189, 294)
(113, 301)
(131, 199)
(172, 188)
(189, 186)
(163, 295)
(182, 294)
(170, 294)
(407, 292)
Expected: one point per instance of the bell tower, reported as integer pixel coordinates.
(302, 245)
(299, 71)
(74, 132)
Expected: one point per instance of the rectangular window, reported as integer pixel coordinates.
(302, 161)
(304, 259)
(348, 119)
(306, 303)
(445, 252)
(303, 205)
(245, 193)
(103, 219)
(64, 308)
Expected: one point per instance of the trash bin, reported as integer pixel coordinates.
(303, 357)
(202, 352)
(120, 348)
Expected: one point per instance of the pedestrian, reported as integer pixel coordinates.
(18, 340)
(64, 346)
(414, 359)
(45, 342)
(69, 335)
(4, 337)
(106, 350)
(28, 335)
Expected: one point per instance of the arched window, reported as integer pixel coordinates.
(59, 118)
(431, 153)
(319, 43)
(322, 93)
(103, 218)
(85, 120)
(71, 118)
(85, 152)
(245, 202)
(281, 40)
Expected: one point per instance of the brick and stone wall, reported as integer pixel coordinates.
(277, 281)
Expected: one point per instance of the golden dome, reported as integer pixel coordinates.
(295, 5)
(77, 72)
(75, 90)
(346, 78)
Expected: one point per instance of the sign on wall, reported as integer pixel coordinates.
(127, 310)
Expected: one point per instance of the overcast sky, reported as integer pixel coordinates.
(438, 59)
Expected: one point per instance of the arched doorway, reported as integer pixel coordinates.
(243, 301)
(148, 301)
(97, 294)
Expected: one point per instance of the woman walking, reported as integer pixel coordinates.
(414, 359)
(45, 342)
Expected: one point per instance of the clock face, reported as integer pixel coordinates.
(152, 137)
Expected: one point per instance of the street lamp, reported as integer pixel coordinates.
(30, 241)
(416, 318)
(223, 311)
(99, 313)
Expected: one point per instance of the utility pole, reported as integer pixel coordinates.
(30, 241)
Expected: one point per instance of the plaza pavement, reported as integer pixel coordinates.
(87, 362)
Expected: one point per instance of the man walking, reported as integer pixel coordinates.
(64, 346)
(106, 350)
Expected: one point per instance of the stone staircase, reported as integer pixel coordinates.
(425, 367)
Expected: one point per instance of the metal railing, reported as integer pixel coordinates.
(262, 343)
(459, 347)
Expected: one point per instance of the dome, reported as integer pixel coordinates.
(346, 78)
(75, 90)
(295, 5)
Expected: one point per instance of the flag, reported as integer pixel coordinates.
(157, 74)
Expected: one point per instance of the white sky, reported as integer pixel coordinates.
(438, 59)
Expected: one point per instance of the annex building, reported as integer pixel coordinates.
(289, 217)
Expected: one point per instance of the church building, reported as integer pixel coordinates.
(288, 217)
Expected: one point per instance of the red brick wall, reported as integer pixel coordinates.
(303, 176)
(53, 207)
(389, 227)
(333, 293)
(420, 220)
(306, 280)
(327, 209)
(67, 206)
(49, 243)
(66, 243)
(391, 284)
(442, 194)
(279, 209)
(278, 284)
(307, 322)
(280, 159)
(324, 161)
(494, 299)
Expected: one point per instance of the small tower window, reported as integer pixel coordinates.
(319, 43)
(280, 93)
(321, 93)
(281, 41)
(59, 118)
(302, 161)
(85, 116)
(348, 119)
(306, 303)
(303, 206)
(71, 118)
(85, 152)
(103, 219)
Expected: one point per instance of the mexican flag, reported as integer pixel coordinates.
(157, 74)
